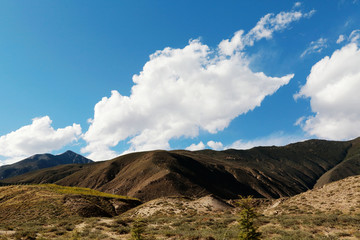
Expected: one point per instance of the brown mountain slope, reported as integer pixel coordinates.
(150, 175)
(350, 166)
(342, 195)
(270, 172)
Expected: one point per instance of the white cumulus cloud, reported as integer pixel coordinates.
(355, 37)
(264, 28)
(297, 4)
(38, 137)
(196, 147)
(215, 145)
(333, 87)
(315, 47)
(182, 91)
(276, 139)
(340, 39)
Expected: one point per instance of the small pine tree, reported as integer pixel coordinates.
(248, 231)
(137, 230)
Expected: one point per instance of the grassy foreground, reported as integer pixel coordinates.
(191, 227)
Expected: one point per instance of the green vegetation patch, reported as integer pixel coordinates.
(82, 191)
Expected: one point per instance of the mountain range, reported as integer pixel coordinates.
(269, 172)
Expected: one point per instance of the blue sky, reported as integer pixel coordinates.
(104, 78)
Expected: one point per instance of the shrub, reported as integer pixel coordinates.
(137, 230)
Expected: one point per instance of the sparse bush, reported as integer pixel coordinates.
(137, 230)
(60, 232)
(123, 230)
(25, 235)
(75, 235)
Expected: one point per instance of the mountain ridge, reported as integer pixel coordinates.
(270, 172)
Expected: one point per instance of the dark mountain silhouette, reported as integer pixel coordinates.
(40, 161)
(269, 172)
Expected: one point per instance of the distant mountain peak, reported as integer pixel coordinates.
(40, 161)
(68, 152)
